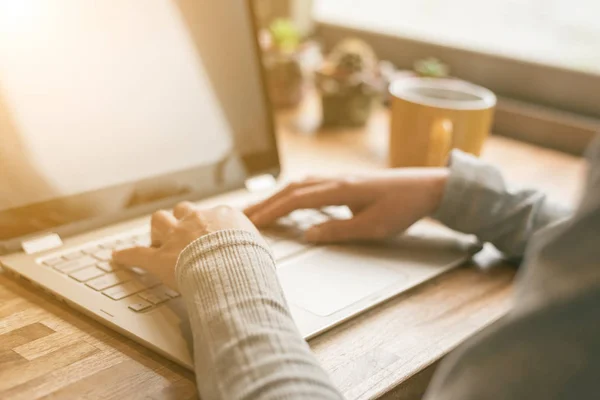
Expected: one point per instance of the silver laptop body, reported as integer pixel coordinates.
(108, 113)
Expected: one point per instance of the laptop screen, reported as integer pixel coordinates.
(110, 106)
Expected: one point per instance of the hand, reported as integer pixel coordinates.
(383, 204)
(171, 233)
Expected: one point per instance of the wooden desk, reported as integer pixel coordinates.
(48, 350)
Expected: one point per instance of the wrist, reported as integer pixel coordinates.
(437, 187)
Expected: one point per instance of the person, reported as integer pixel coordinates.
(246, 345)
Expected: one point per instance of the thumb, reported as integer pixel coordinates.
(142, 257)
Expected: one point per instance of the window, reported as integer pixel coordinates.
(541, 57)
(560, 33)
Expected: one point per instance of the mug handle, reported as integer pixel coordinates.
(440, 142)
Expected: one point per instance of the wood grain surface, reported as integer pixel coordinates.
(50, 351)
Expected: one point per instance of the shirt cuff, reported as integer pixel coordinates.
(464, 177)
(214, 242)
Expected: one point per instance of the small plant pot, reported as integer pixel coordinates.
(345, 104)
(285, 80)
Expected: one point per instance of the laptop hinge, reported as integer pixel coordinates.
(37, 244)
(260, 183)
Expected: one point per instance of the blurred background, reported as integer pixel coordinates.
(541, 57)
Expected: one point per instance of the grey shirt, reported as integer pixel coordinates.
(548, 347)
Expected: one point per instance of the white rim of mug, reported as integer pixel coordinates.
(486, 98)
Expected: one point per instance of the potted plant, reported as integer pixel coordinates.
(431, 68)
(349, 82)
(281, 45)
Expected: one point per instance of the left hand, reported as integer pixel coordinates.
(383, 203)
(173, 232)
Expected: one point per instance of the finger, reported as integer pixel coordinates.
(328, 194)
(143, 257)
(162, 224)
(282, 193)
(184, 209)
(368, 225)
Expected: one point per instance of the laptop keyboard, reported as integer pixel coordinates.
(92, 267)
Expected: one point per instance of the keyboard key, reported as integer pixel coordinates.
(142, 241)
(109, 245)
(53, 261)
(152, 298)
(337, 212)
(123, 246)
(71, 266)
(127, 239)
(171, 293)
(103, 255)
(162, 289)
(285, 222)
(124, 290)
(138, 270)
(149, 280)
(140, 306)
(156, 296)
(305, 219)
(84, 275)
(91, 249)
(73, 256)
(108, 266)
(106, 281)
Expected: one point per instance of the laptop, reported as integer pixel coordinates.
(108, 113)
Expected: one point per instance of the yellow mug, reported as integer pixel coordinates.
(430, 117)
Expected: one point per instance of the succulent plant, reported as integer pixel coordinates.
(352, 56)
(286, 37)
(348, 83)
(350, 63)
(281, 44)
(431, 68)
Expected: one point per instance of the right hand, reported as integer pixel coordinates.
(382, 204)
(173, 232)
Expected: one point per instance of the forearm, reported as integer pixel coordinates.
(478, 201)
(246, 345)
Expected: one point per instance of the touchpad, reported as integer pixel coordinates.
(324, 282)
